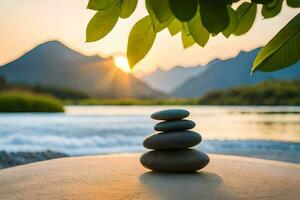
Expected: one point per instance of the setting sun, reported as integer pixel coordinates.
(122, 63)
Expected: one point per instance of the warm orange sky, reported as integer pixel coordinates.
(26, 23)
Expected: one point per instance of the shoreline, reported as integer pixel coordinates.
(11, 159)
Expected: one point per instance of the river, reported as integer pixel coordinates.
(83, 130)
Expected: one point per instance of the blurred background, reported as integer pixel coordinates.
(60, 96)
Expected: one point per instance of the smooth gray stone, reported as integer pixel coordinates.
(172, 140)
(186, 160)
(176, 125)
(170, 114)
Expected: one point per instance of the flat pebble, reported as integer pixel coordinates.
(170, 114)
(176, 125)
(172, 140)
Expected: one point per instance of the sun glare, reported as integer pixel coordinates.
(122, 63)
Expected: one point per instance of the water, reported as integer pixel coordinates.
(109, 129)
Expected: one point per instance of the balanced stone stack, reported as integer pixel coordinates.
(171, 146)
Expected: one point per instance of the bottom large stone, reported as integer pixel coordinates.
(186, 160)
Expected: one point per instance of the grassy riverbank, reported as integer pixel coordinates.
(16, 101)
(266, 93)
(167, 101)
(271, 93)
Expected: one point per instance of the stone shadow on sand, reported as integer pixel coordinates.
(201, 185)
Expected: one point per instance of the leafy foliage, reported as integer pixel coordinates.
(214, 15)
(282, 51)
(102, 23)
(195, 19)
(175, 27)
(127, 8)
(101, 4)
(140, 40)
(198, 31)
(187, 39)
(161, 9)
(157, 25)
(293, 3)
(184, 10)
(233, 22)
(246, 14)
(272, 9)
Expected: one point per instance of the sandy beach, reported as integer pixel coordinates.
(122, 177)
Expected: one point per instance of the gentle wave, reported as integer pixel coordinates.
(72, 145)
(84, 130)
(125, 143)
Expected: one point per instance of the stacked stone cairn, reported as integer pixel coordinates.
(171, 150)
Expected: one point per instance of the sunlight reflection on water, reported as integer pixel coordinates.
(215, 122)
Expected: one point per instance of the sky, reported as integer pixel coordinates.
(27, 23)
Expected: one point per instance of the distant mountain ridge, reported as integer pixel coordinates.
(53, 64)
(168, 80)
(231, 73)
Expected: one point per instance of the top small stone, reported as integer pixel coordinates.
(170, 114)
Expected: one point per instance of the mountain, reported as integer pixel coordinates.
(167, 81)
(52, 64)
(231, 73)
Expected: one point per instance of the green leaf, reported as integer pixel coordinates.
(198, 31)
(214, 15)
(140, 40)
(293, 3)
(214, 34)
(156, 24)
(262, 1)
(187, 40)
(184, 10)
(102, 23)
(161, 10)
(246, 14)
(229, 2)
(185, 28)
(282, 51)
(175, 27)
(127, 8)
(272, 9)
(232, 24)
(101, 4)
